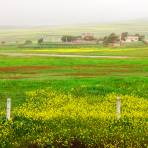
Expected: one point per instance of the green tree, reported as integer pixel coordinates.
(111, 39)
(28, 42)
(68, 38)
(124, 35)
(40, 41)
(141, 37)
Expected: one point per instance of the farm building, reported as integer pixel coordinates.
(131, 38)
(87, 36)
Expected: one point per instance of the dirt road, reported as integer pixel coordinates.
(61, 55)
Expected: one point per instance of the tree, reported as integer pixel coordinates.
(105, 40)
(124, 35)
(111, 39)
(40, 41)
(28, 42)
(68, 38)
(141, 37)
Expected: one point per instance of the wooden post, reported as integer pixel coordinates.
(8, 109)
(118, 108)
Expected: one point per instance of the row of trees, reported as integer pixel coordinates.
(111, 39)
(39, 41)
(27, 42)
(69, 38)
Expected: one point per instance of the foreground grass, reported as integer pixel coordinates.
(49, 118)
(99, 76)
(79, 110)
(87, 76)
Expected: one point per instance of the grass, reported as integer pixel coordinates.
(93, 81)
(29, 73)
(138, 51)
(49, 118)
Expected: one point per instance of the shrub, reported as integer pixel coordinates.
(28, 42)
(3, 42)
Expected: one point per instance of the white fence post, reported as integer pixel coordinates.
(8, 109)
(118, 108)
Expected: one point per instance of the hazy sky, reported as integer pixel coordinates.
(60, 12)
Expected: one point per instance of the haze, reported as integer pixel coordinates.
(62, 12)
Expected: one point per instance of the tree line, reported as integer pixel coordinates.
(110, 39)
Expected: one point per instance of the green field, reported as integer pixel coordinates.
(72, 100)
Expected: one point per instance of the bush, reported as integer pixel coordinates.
(3, 42)
(28, 42)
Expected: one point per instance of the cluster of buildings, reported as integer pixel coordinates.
(90, 38)
(130, 38)
(85, 38)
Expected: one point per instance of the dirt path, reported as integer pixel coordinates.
(60, 55)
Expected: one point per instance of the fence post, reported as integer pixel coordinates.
(118, 108)
(8, 109)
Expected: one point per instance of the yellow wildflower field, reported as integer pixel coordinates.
(53, 119)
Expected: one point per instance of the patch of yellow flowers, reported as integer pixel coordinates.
(49, 104)
(79, 50)
(57, 119)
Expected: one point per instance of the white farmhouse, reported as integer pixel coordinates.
(132, 38)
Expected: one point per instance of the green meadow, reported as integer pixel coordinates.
(71, 101)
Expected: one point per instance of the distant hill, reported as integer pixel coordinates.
(21, 33)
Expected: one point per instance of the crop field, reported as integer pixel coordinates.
(71, 101)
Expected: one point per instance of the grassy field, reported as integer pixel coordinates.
(71, 100)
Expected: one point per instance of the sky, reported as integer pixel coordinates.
(63, 12)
